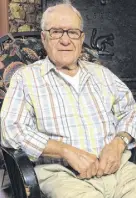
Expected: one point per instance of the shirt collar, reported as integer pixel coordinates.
(47, 66)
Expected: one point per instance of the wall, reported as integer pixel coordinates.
(24, 15)
(4, 27)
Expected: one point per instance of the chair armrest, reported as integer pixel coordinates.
(133, 156)
(21, 173)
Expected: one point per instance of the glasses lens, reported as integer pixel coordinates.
(74, 34)
(56, 33)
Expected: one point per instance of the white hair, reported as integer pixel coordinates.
(52, 8)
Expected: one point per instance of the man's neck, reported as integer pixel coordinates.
(69, 71)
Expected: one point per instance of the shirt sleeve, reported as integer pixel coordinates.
(18, 121)
(124, 108)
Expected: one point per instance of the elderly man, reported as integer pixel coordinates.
(77, 114)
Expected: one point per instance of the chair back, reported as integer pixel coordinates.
(18, 50)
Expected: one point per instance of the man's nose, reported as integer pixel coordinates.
(65, 40)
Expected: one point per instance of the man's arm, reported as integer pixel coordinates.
(18, 123)
(126, 138)
(86, 164)
(124, 110)
(110, 157)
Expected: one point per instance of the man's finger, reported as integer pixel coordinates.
(102, 166)
(82, 175)
(108, 168)
(89, 173)
(114, 168)
(93, 170)
(100, 172)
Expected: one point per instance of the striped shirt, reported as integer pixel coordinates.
(41, 105)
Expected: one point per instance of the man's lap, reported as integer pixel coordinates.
(57, 181)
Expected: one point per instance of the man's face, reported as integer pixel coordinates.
(63, 51)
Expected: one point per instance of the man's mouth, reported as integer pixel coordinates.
(65, 50)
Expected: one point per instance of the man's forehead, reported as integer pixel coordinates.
(63, 12)
(62, 7)
(63, 18)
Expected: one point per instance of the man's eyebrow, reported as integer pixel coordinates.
(71, 28)
(53, 27)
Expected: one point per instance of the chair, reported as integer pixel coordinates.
(16, 50)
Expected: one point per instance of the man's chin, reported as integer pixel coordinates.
(64, 63)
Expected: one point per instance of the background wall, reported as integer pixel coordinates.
(24, 15)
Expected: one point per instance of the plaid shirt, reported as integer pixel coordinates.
(41, 105)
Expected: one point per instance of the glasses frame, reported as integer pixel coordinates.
(67, 31)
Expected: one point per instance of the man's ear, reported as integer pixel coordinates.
(83, 37)
(43, 37)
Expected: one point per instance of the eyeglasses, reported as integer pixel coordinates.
(58, 33)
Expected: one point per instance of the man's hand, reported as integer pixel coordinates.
(83, 162)
(110, 157)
